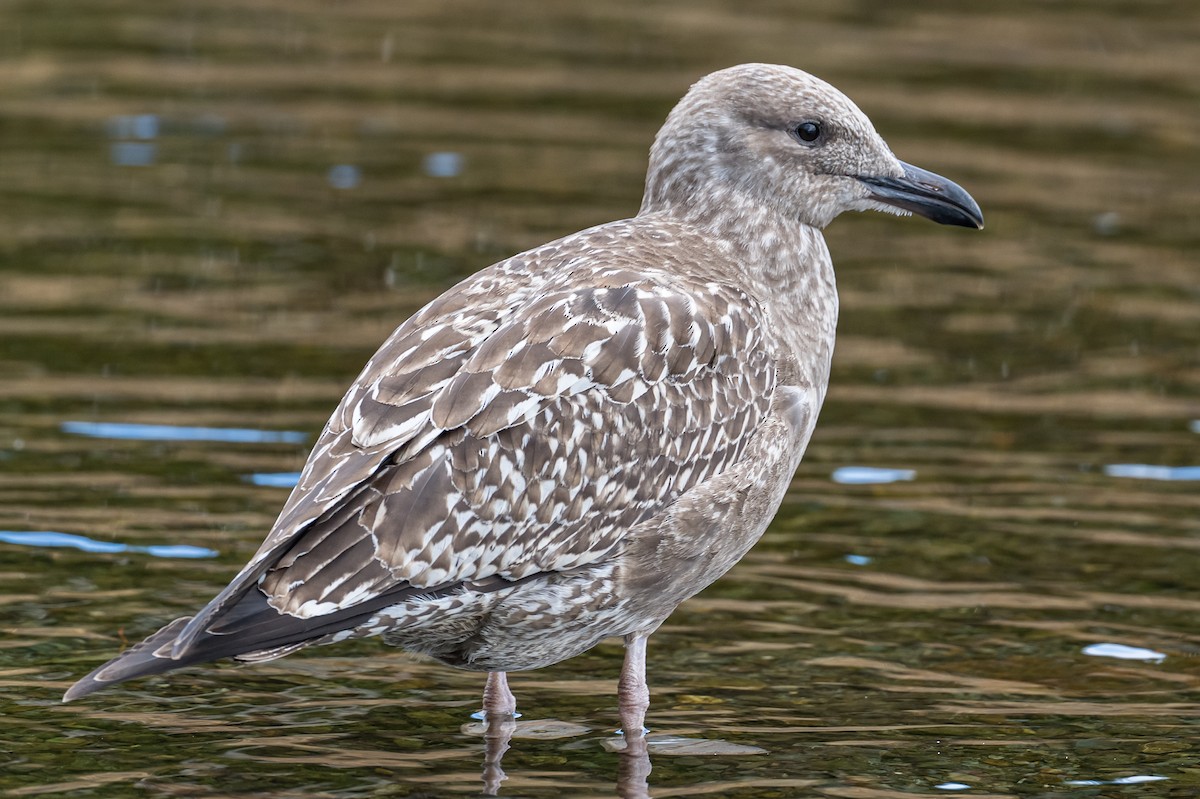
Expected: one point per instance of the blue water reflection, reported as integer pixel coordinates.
(166, 432)
(1136, 779)
(50, 538)
(344, 176)
(1144, 471)
(1123, 652)
(132, 153)
(133, 133)
(443, 165)
(870, 475)
(273, 479)
(133, 126)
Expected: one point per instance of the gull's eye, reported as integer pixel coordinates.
(808, 132)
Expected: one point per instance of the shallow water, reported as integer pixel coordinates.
(213, 214)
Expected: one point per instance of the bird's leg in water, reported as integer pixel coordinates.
(633, 695)
(498, 700)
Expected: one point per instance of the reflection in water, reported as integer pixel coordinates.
(122, 128)
(132, 153)
(632, 751)
(47, 538)
(870, 475)
(273, 479)
(1123, 652)
(133, 126)
(633, 768)
(499, 730)
(1142, 471)
(163, 432)
(1136, 779)
(443, 165)
(344, 176)
(497, 734)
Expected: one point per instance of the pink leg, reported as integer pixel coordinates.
(497, 698)
(633, 695)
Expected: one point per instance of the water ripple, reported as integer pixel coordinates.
(273, 479)
(1136, 779)
(870, 475)
(1123, 652)
(166, 432)
(1144, 471)
(50, 538)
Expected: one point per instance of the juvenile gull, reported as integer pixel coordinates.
(568, 444)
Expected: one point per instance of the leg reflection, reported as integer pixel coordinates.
(633, 768)
(499, 723)
(633, 698)
(498, 731)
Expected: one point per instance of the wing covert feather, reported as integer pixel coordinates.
(526, 433)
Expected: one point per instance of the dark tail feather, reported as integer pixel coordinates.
(251, 626)
(254, 629)
(137, 661)
(234, 594)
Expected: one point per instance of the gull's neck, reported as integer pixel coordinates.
(781, 262)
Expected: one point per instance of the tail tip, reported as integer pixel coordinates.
(137, 661)
(73, 693)
(82, 688)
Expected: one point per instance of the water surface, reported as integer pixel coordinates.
(214, 213)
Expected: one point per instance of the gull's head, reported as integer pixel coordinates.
(774, 137)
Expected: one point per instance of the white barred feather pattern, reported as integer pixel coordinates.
(514, 433)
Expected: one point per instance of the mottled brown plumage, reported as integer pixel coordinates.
(568, 444)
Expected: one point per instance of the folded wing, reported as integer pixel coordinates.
(509, 436)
